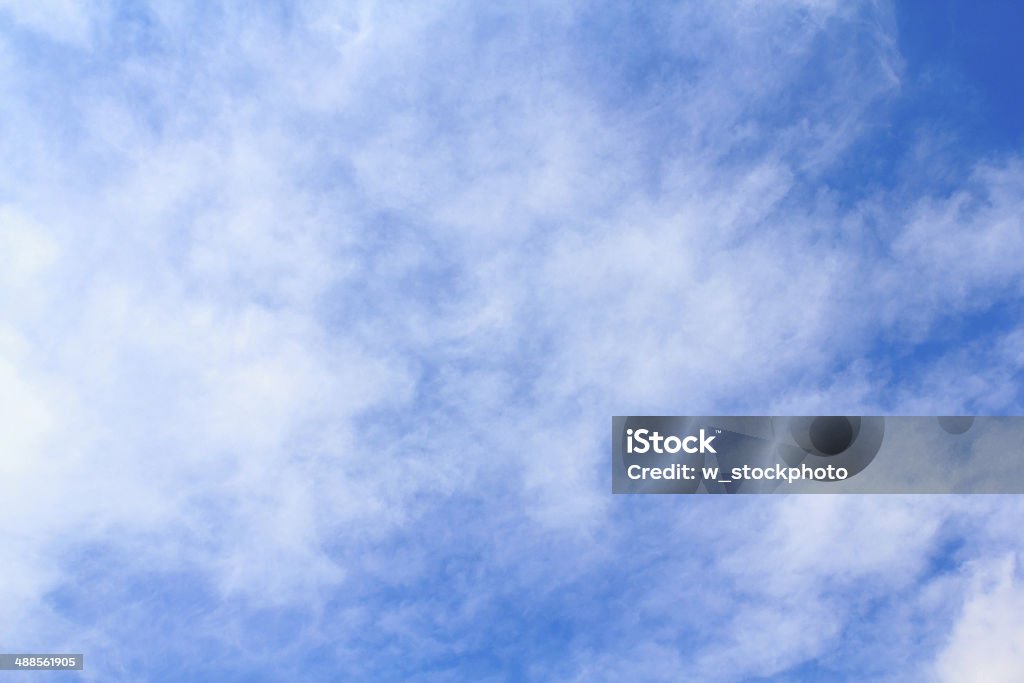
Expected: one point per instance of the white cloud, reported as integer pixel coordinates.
(66, 21)
(987, 641)
(307, 306)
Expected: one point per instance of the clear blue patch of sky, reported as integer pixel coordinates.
(961, 98)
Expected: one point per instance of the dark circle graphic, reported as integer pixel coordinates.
(850, 442)
(956, 424)
(832, 435)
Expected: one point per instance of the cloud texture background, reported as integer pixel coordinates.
(314, 316)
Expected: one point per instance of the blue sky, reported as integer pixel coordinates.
(314, 316)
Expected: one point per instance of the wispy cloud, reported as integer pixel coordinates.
(314, 317)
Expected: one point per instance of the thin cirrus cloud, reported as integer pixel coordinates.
(314, 317)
